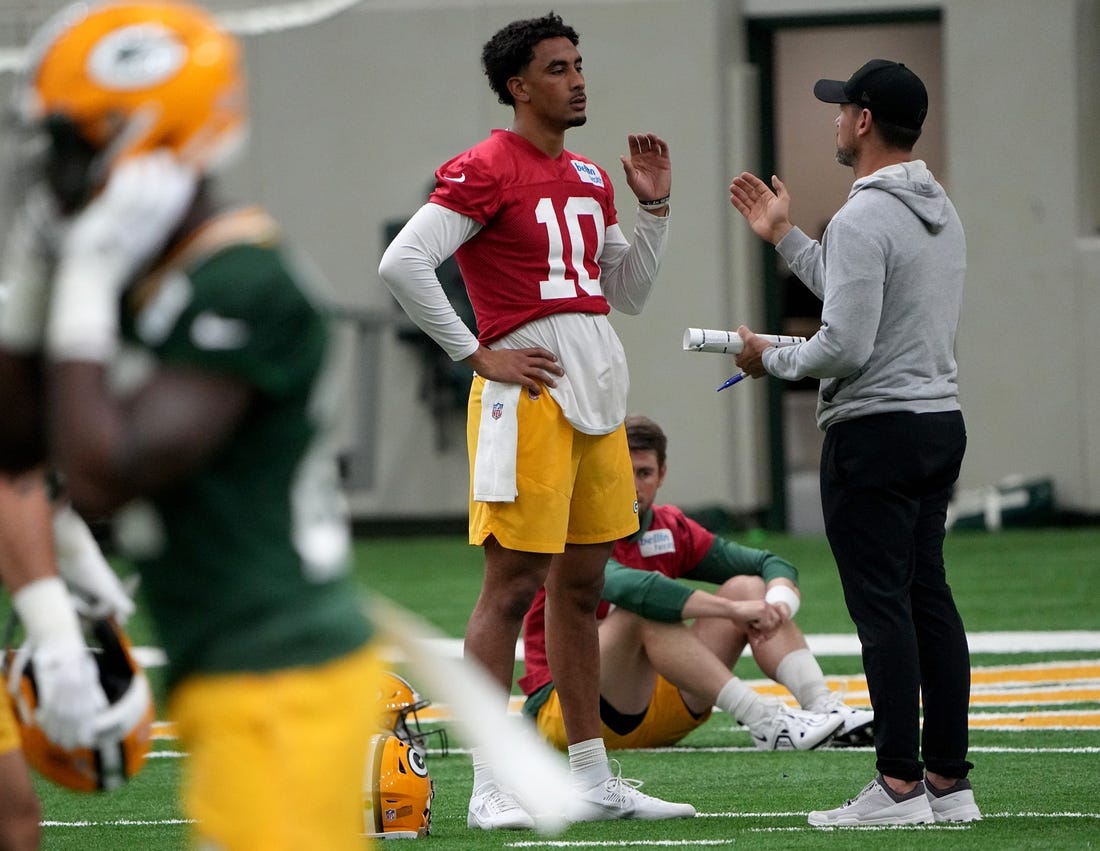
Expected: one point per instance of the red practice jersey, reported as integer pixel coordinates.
(674, 544)
(543, 223)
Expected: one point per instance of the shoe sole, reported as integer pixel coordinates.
(786, 743)
(824, 743)
(858, 737)
(473, 822)
(959, 816)
(896, 814)
(850, 822)
(593, 814)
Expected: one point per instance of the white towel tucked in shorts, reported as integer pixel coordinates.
(497, 439)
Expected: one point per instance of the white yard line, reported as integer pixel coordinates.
(824, 644)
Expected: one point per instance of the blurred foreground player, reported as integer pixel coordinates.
(219, 456)
(46, 554)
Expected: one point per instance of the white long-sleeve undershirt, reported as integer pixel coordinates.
(434, 233)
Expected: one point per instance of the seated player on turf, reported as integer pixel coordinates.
(659, 676)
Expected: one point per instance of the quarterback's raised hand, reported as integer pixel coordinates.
(648, 169)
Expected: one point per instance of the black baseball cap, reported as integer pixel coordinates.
(889, 89)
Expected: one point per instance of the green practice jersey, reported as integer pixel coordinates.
(245, 564)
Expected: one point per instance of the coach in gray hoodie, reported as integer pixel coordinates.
(889, 270)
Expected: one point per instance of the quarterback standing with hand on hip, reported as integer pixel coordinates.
(889, 270)
(218, 464)
(535, 231)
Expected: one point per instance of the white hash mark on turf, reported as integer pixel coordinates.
(570, 843)
(122, 822)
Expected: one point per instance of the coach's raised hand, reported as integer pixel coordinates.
(767, 212)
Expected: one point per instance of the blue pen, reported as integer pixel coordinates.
(729, 382)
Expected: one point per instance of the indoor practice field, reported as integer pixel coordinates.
(1031, 602)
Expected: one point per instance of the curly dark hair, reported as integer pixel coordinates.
(512, 48)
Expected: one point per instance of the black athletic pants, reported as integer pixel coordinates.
(886, 480)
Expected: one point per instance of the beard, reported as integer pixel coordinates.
(846, 156)
(577, 121)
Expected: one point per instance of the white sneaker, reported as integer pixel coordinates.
(796, 729)
(955, 804)
(491, 808)
(618, 798)
(858, 727)
(874, 806)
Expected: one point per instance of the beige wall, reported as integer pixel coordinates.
(805, 131)
(353, 115)
(406, 92)
(1028, 347)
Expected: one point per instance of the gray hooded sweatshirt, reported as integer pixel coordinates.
(889, 271)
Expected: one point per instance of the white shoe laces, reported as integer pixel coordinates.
(498, 802)
(620, 788)
(835, 700)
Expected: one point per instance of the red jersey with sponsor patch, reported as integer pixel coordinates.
(543, 223)
(674, 545)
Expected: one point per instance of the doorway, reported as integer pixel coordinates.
(797, 143)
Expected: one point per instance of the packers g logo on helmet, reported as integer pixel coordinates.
(119, 78)
(397, 790)
(398, 705)
(125, 724)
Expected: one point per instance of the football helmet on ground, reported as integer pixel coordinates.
(397, 790)
(123, 728)
(399, 705)
(108, 80)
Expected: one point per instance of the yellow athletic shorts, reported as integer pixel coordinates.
(9, 728)
(573, 487)
(276, 759)
(666, 721)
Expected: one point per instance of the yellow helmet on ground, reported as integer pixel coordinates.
(397, 790)
(399, 704)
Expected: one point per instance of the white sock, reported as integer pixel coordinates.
(801, 674)
(588, 763)
(743, 703)
(483, 772)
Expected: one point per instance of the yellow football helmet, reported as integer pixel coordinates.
(127, 721)
(397, 790)
(107, 80)
(399, 704)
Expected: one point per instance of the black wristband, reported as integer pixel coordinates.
(655, 204)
